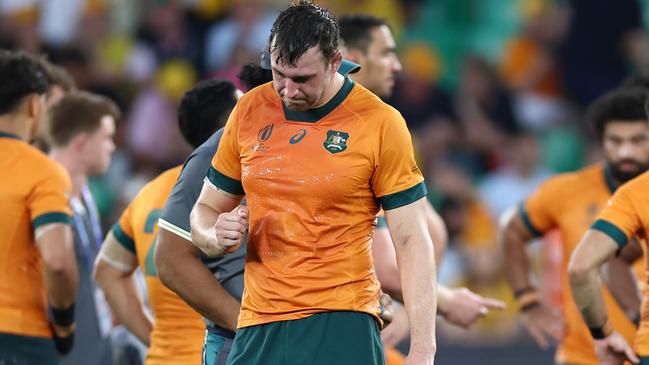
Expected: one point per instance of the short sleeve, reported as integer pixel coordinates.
(535, 212)
(49, 200)
(225, 170)
(175, 216)
(619, 219)
(123, 230)
(397, 180)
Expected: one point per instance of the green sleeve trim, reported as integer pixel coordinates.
(225, 183)
(381, 222)
(526, 220)
(47, 218)
(123, 239)
(404, 197)
(612, 231)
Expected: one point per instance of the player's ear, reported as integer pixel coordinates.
(336, 59)
(34, 106)
(80, 141)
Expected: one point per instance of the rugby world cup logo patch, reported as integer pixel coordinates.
(336, 141)
(265, 132)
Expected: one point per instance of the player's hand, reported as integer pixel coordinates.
(543, 324)
(464, 307)
(387, 309)
(229, 230)
(399, 329)
(614, 350)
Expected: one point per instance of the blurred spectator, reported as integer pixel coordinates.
(238, 39)
(485, 113)
(166, 32)
(600, 44)
(18, 25)
(417, 95)
(516, 178)
(530, 66)
(152, 134)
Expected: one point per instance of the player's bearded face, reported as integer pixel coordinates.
(626, 145)
(301, 85)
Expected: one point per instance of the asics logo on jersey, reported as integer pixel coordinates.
(265, 132)
(297, 137)
(336, 141)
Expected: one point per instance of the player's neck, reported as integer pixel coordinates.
(72, 164)
(334, 87)
(16, 125)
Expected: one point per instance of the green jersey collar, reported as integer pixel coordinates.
(314, 115)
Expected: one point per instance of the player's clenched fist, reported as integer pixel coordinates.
(228, 232)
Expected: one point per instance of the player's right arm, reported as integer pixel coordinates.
(515, 233)
(52, 225)
(218, 223)
(56, 245)
(113, 273)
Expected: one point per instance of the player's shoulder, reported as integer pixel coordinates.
(574, 181)
(41, 165)
(370, 107)
(637, 185)
(260, 95)
(161, 184)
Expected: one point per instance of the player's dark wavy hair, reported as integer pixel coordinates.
(355, 30)
(252, 75)
(204, 109)
(301, 26)
(625, 104)
(21, 74)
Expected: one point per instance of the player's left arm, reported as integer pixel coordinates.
(113, 273)
(585, 263)
(583, 270)
(622, 282)
(437, 231)
(416, 261)
(610, 232)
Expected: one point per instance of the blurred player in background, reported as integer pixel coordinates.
(622, 224)
(368, 41)
(38, 267)
(175, 335)
(570, 203)
(80, 136)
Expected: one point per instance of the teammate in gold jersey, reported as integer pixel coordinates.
(175, 335)
(570, 203)
(37, 261)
